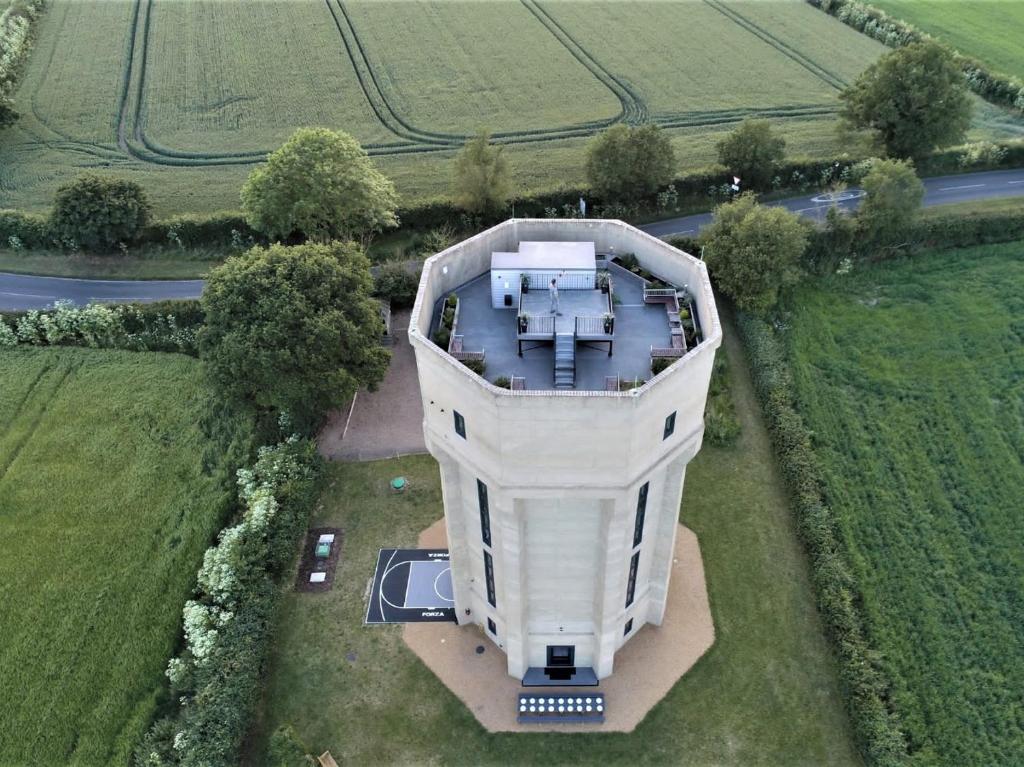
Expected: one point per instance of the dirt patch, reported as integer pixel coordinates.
(310, 563)
(386, 423)
(646, 667)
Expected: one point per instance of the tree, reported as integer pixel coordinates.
(293, 328)
(752, 153)
(914, 99)
(481, 181)
(626, 163)
(321, 185)
(754, 251)
(97, 212)
(894, 194)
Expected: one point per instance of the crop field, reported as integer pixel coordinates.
(187, 97)
(765, 694)
(988, 31)
(911, 378)
(104, 515)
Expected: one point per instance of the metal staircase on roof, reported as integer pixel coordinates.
(565, 361)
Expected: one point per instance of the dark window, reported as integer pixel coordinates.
(670, 426)
(485, 514)
(634, 563)
(629, 627)
(489, 574)
(460, 424)
(491, 627)
(641, 511)
(561, 655)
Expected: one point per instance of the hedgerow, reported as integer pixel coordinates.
(876, 727)
(16, 37)
(895, 33)
(216, 678)
(166, 326)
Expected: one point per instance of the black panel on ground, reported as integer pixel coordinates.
(411, 586)
(581, 677)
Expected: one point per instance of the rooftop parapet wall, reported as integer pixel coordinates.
(541, 438)
(459, 264)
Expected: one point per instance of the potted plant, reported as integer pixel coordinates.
(604, 281)
(524, 322)
(524, 282)
(609, 323)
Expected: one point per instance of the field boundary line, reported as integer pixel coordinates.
(28, 393)
(829, 78)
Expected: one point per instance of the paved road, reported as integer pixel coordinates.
(25, 292)
(938, 190)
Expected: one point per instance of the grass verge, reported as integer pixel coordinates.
(105, 515)
(909, 375)
(765, 694)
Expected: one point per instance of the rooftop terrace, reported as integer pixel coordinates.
(598, 341)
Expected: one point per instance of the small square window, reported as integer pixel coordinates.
(670, 426)
(460, 424)
(629, 627)
(492, 627)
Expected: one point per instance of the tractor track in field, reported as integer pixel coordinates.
(37, 418)
(829, 78)
(133, 141)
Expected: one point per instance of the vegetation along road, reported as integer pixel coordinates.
(19, 291)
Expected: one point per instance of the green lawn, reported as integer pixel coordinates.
(911, 377)
(765, 694)
(988, 30)
(104, 515)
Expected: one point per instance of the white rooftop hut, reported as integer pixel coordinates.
(573, 265)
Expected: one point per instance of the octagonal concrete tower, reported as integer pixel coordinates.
(562, 486)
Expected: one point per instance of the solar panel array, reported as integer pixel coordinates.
(538, 708)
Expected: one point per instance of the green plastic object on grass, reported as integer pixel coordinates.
(398, 484)
(323, 550)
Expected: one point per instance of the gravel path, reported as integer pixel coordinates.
(386, 423)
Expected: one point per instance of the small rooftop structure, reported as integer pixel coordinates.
(571, 265)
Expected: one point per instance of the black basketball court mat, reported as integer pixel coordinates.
(411, 586)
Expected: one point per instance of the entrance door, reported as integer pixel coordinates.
(561, 655)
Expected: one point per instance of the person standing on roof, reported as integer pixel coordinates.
(553, 292)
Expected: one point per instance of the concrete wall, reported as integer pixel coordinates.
(563, 468)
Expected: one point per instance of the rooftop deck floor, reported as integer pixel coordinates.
(638, 326)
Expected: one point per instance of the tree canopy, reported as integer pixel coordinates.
(481, 179)
(97, 212)
(753, 153)
(625, 163)
(894, 194)
(293, 328)
(754, 251)
(320, 184)
(913, 99)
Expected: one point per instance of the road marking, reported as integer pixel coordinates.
(966, 186)
(112, 299)
(1015, 182)
(27, 295)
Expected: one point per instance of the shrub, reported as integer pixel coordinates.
(225, 228)
(216, 678)
(721, 424)
(96, 212)
(503, 382)
(660, 363)
(442, 337)
(894, 194)
(395, 283)
(31, 229)
(286, 749)
(477, 366)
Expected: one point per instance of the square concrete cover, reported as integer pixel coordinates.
(646, 667)
(326, 538)
(317, 577)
